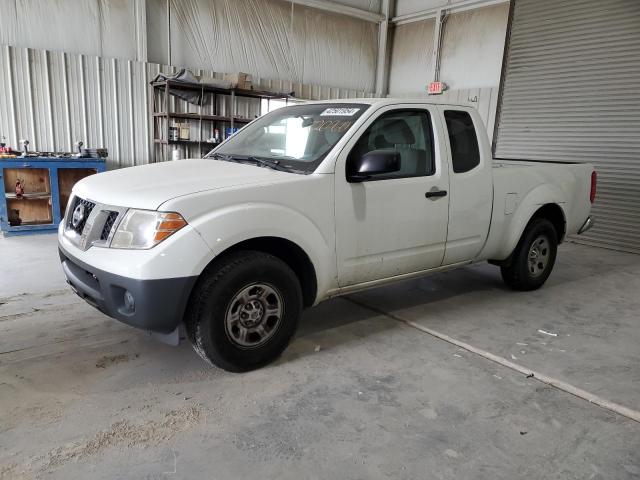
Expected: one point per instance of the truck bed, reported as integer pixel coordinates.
(520, 187)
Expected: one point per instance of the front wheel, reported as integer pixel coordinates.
(244, 312)
(533, 258)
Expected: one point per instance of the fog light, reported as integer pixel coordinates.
(129, 301)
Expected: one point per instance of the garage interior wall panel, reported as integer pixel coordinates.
(55, 99)
(267, 38)
(91, 27)
(411, 57)
(571, 92)
(406, 7)
(472, 47)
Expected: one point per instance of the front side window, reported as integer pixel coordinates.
(407, 132)
(465, 153)
(298, 137)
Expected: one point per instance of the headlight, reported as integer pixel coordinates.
(143, 229)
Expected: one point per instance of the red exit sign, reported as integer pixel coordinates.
(435, 88)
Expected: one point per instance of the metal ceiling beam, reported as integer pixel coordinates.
(340, 9)
(449, 7)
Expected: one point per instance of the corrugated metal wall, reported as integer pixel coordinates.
(54, 99)
(572, 92)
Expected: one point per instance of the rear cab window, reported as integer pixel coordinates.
(463, 141)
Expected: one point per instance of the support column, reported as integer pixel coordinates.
(382, 65)
(169, 59)
(140, 11)
(441, 16)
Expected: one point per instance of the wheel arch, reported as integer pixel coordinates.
(555, 214)
(287, 251)
(551, 211)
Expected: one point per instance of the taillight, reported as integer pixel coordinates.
(594, 181)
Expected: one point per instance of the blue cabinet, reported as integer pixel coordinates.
(46, 184)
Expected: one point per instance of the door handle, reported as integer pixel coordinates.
(434, 193)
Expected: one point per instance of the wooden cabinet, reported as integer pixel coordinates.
(46, 186)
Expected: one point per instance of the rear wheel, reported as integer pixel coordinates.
(534, 257)
(244, 312)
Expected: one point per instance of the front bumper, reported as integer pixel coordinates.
(158, 305)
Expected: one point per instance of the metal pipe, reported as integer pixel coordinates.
(440, 23)
(140, 8)
(169, 32)
(382, 65)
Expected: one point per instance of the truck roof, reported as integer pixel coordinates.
(431, 100)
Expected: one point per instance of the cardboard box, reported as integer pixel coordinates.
(239, 80)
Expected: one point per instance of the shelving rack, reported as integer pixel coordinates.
(218, 109)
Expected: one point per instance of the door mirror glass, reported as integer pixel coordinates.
(373, 163)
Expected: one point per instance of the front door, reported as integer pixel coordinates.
(397, 223)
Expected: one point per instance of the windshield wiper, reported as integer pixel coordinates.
(262, 162)
(267, 162)
(227, 158)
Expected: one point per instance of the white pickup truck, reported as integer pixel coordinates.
(306, 203)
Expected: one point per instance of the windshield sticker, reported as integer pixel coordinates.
(339, 112)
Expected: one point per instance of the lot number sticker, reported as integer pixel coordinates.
(339, 112)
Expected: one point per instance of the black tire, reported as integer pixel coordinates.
(523, 272)
(206, 318)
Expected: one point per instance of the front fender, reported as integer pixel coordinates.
(227, 226)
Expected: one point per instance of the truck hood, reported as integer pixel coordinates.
(149, 186)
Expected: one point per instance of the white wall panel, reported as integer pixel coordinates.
(369, 5)
(268, 38)
(339, 51)
(411, 57)
(471, 54)
(92, 27)
(406, 7)
(472, 47)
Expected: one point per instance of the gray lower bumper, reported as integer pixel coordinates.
(158, 305)
(586, 226)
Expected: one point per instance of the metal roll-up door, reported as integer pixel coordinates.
(571, 92)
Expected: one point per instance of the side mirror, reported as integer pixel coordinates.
(376, 162)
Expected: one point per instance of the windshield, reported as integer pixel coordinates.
(297, 137)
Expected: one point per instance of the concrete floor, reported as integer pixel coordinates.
(82, 396)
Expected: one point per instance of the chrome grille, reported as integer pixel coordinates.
(108, 225)
(88, 206)
(95, 226)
